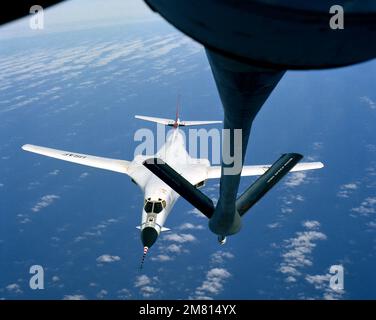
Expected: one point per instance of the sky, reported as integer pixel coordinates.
(79, 14)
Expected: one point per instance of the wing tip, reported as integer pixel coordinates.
(26, 147)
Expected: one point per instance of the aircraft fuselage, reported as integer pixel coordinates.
(159, 198)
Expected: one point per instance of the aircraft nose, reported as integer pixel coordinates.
(148, 236)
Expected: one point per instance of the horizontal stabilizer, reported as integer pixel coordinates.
(166, 122)
(264, 183)
(197, 123)
(189, 192)
(171, 122)
(163, 229)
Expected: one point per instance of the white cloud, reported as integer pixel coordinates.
(286, 210)
(54, 172)
(220, 256)
(142, 280)
(44, 202)
(215, 277)
(274, 225)
(318, 145)
(161, 258)
(322, 282)
(96, 230)
(290, 279)
(102, 294)
(298, 197)
(290, 199)
(146, 285)
(220, 273)
(64, 64)
(319, 281)
(113, 55)
(311, 224)
(74, 297)
(148, 291)
(25, 220)
(203, 298)
(331, 296)
(366, 207)
(197, 213)
(55, 279)
(368, 101)
(84, 175)
(106, 258)
(213, 283)
(124, 294)
(297, 250)
(14, 288)
(190, 226)
(180, 238)
(174, 248)
(351, 186)
(33, 185)
(295, 179)
(79, 238)
(371, 224)
(347, 189)
(289, 270)
(371, 147)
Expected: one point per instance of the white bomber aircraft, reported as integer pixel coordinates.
(175, 173)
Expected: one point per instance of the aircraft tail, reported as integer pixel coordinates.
(175, 123)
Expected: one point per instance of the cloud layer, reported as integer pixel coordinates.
(45, 202)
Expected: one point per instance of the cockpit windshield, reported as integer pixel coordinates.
(157, 207)
(154, 206)
(148, 206)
